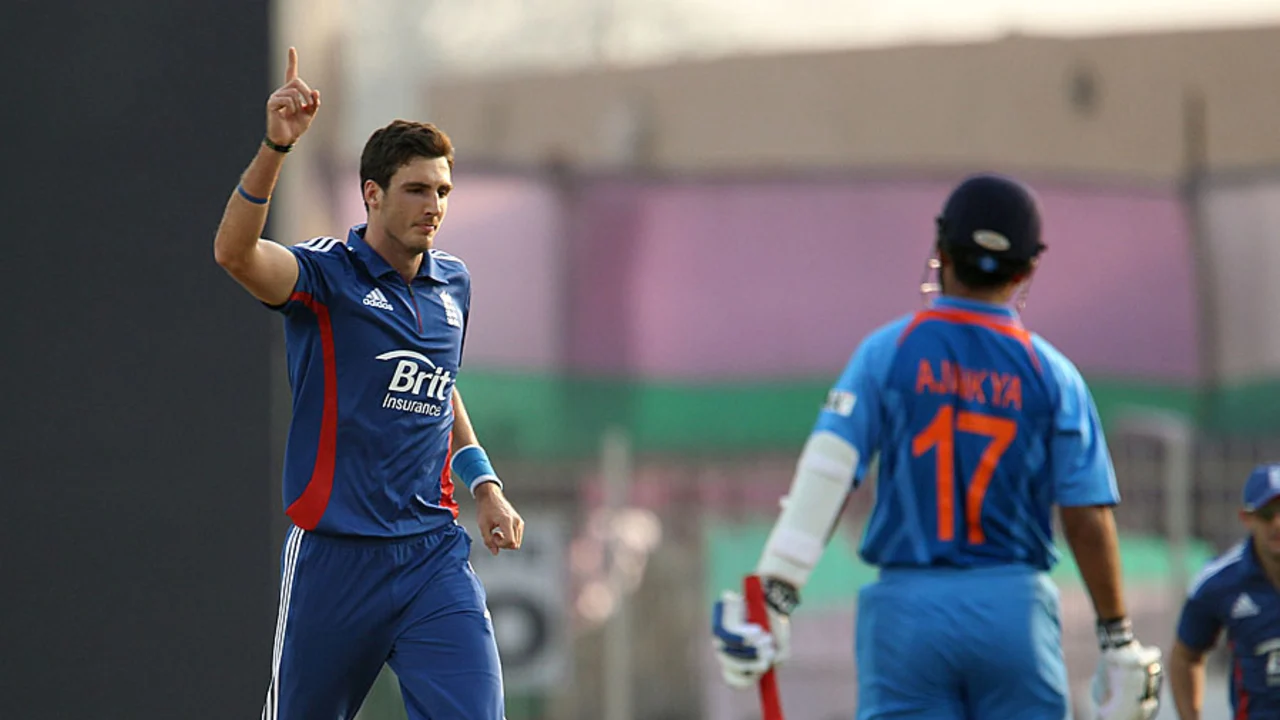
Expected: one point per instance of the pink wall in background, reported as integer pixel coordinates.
(750, 279)
(1243, 218)
(759, 279)
(607, 233)
(1118, 292)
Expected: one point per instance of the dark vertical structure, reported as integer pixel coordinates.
(137, 572)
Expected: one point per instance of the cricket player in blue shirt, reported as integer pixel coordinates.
(981, 428)
(1238, 592)
(375, 568)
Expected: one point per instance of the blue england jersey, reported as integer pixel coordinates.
(1234, 594)
(372, 364)
(980, 428)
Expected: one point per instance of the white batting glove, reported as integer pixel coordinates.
(746, 650)
(1126, 685)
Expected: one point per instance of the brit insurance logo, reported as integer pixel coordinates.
(417, 385)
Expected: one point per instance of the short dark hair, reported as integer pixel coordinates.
(396, 145)
(980, 271)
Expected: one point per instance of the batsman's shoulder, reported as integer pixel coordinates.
(878, 349)
(891, 331)
(885, 338)
(1059, 367)
(1049, 351)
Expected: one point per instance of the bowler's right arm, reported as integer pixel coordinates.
(266, 269)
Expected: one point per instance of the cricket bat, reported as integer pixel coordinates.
(770, 701)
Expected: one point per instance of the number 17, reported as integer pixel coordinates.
(939, 436)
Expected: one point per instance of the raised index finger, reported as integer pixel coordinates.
(291, 71)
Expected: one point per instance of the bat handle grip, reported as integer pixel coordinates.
(758, 613)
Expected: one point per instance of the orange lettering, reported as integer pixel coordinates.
(971, 385)
(950, 378)
(1013, 392)
(997, 388)
(924, 378)
(939, 436)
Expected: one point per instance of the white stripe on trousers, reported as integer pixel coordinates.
(293, 543)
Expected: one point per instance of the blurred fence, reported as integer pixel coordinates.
(707, 517)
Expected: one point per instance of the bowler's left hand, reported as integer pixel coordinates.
(501, 527)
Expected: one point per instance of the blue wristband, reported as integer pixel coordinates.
(472, 465)
(251, 198)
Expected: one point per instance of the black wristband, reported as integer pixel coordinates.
(1114, 633)
(781, 596)
(276, 146)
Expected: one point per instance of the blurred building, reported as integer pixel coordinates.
(1103, 107)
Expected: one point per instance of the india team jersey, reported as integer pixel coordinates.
(980, 428)
(1233, 593)
(372, 363)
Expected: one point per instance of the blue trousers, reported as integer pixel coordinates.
(349, 605)
(961, 644)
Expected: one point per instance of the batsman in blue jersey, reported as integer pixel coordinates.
(1238, 594)
(375, 568)
(980, 428)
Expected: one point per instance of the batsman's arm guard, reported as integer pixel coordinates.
(823, 479)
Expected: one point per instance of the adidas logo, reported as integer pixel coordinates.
(375, 298)
(1244, 607)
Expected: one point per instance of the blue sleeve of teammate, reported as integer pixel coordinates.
(1079, 459)
(1198, 626)
(852, 410)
